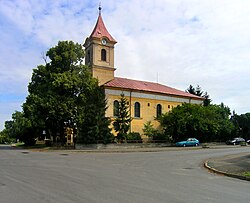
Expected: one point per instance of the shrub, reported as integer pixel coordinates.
(149, 129)
(133, 137)
(3, 139)
(159, 136)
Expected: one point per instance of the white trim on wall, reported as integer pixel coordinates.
(153, 96)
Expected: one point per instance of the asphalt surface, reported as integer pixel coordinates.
(233, 165)
(160, 175)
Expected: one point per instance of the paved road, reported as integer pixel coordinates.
(166, 176)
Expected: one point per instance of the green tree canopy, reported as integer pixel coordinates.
(20, 128)
(7, 134)
(92, 123)
(210, 123)
(63, 92)
(242, 125)
(149, 129)
(198, 92)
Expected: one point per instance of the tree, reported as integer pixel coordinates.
(122, 122)
(241, 125)
(8, 129)
(92, 123)
(7, 134)
(155, 134)
(149, 129)
(198, 92)
(20, 127)
(191, 90)
(63, 92)
(209, 123)
(207, 100)
(54, 88)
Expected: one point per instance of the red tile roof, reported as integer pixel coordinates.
(101, 31)
(152, 87)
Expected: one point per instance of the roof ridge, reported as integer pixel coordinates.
(127, 83)
(149, 82)
(139, 80)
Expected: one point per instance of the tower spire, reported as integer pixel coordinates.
(100, 30)
(99, 48)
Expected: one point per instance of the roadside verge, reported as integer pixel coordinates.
(232, 166)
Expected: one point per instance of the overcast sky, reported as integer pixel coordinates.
(173, 42)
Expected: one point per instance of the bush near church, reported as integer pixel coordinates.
(134, 137)
(206, 123)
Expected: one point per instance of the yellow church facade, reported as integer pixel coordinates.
(147, 100)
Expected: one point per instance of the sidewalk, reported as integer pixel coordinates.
(231, 165)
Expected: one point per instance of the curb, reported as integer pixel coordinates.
(232, 175)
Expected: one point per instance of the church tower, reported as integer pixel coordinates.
(99, 52)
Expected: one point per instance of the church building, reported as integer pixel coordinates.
(147, 100)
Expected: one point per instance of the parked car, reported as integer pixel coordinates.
(235, 141)
(248, 142)
(188, 142)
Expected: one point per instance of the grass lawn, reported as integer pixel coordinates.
(23, 146)
(247, 173)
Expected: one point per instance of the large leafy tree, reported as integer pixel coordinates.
(241, 124)
(63, 92)
(20, 128)
(8, 129)
(122, 122)
(210, 123)
(53, 89)
(7, 134)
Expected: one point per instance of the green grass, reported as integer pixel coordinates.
(23, 146)
(19, 144)
(247, 173)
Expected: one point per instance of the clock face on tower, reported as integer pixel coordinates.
(104, 41)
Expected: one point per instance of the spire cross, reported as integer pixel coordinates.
(100, 8)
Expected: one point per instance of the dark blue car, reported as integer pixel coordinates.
(188, 142)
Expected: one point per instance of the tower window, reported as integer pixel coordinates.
(103, 55)
(158, 110)
(88, 57)
(137, 109)
(116, 108)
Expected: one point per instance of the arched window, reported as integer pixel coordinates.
(88, 56)
(116, 108)
(137, 110)
(103, 55)
(158, 110)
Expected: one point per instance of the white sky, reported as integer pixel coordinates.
(174, 42)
